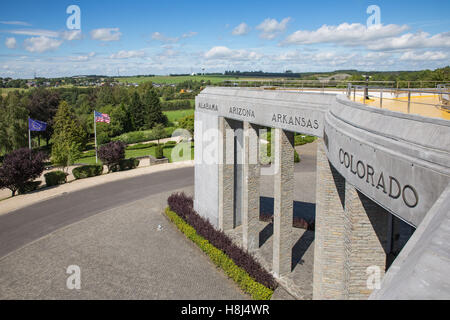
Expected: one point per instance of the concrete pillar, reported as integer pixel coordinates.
(226, 175)
(283, 202)
(238, 127)
(250, 188)
(329, 239)
(366, 243)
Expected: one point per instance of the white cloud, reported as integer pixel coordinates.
(271, 27)
(377, 55)
(425, 56)
(127, 54)
(16, 23)
(36, 32)
(11, 43)
(160, 37)
(220, 52)
(66, 35)
(106, 34)
(189, 34)
(410, 40)
(326, 60)
(344, 34)
(71, 35)
(241, 29)
(41, 44)
(81, 58)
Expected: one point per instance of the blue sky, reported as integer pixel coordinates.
(162, 37)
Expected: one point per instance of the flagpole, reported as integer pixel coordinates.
(29, 134)
(95, 134)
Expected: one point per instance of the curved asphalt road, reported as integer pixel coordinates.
(25, 225)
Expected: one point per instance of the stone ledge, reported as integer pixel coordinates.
(154, 161)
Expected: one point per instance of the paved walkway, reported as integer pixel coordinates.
(121, 255)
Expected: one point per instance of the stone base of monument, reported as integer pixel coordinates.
(155, 161)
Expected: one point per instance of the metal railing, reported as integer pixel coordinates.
(326, 83)
(297, 84)
(441, 91)
(388, 91)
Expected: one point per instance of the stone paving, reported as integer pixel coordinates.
(122, 255)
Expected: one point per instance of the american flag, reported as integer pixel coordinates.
(101, 117)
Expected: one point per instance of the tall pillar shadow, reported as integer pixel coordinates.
(304, 210)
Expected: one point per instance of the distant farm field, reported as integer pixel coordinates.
(5, 91)
(175, 79)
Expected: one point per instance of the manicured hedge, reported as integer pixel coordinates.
(176, 105)
(127, 164)
(239, 275)
(159, 152)
(300, 139)
(87, 171)
(296, 157)
(170, 143)
(54, 178)
(29, 186)
(183, 206)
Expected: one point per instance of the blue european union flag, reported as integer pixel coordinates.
(36, 125)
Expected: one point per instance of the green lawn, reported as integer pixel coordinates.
(176, 115)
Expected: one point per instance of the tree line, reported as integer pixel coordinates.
(130, 109)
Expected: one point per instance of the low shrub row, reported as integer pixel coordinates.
(176, 105)
(29, 186)
(257, 290)
(170, 143)
(183, 206)
(296, 157)
(54, 178)
(126, 164)
(87, 171)
(302, 139)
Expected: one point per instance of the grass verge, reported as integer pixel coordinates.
(239, 275)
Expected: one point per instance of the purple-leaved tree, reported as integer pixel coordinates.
(19, 167)
(111, 154)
